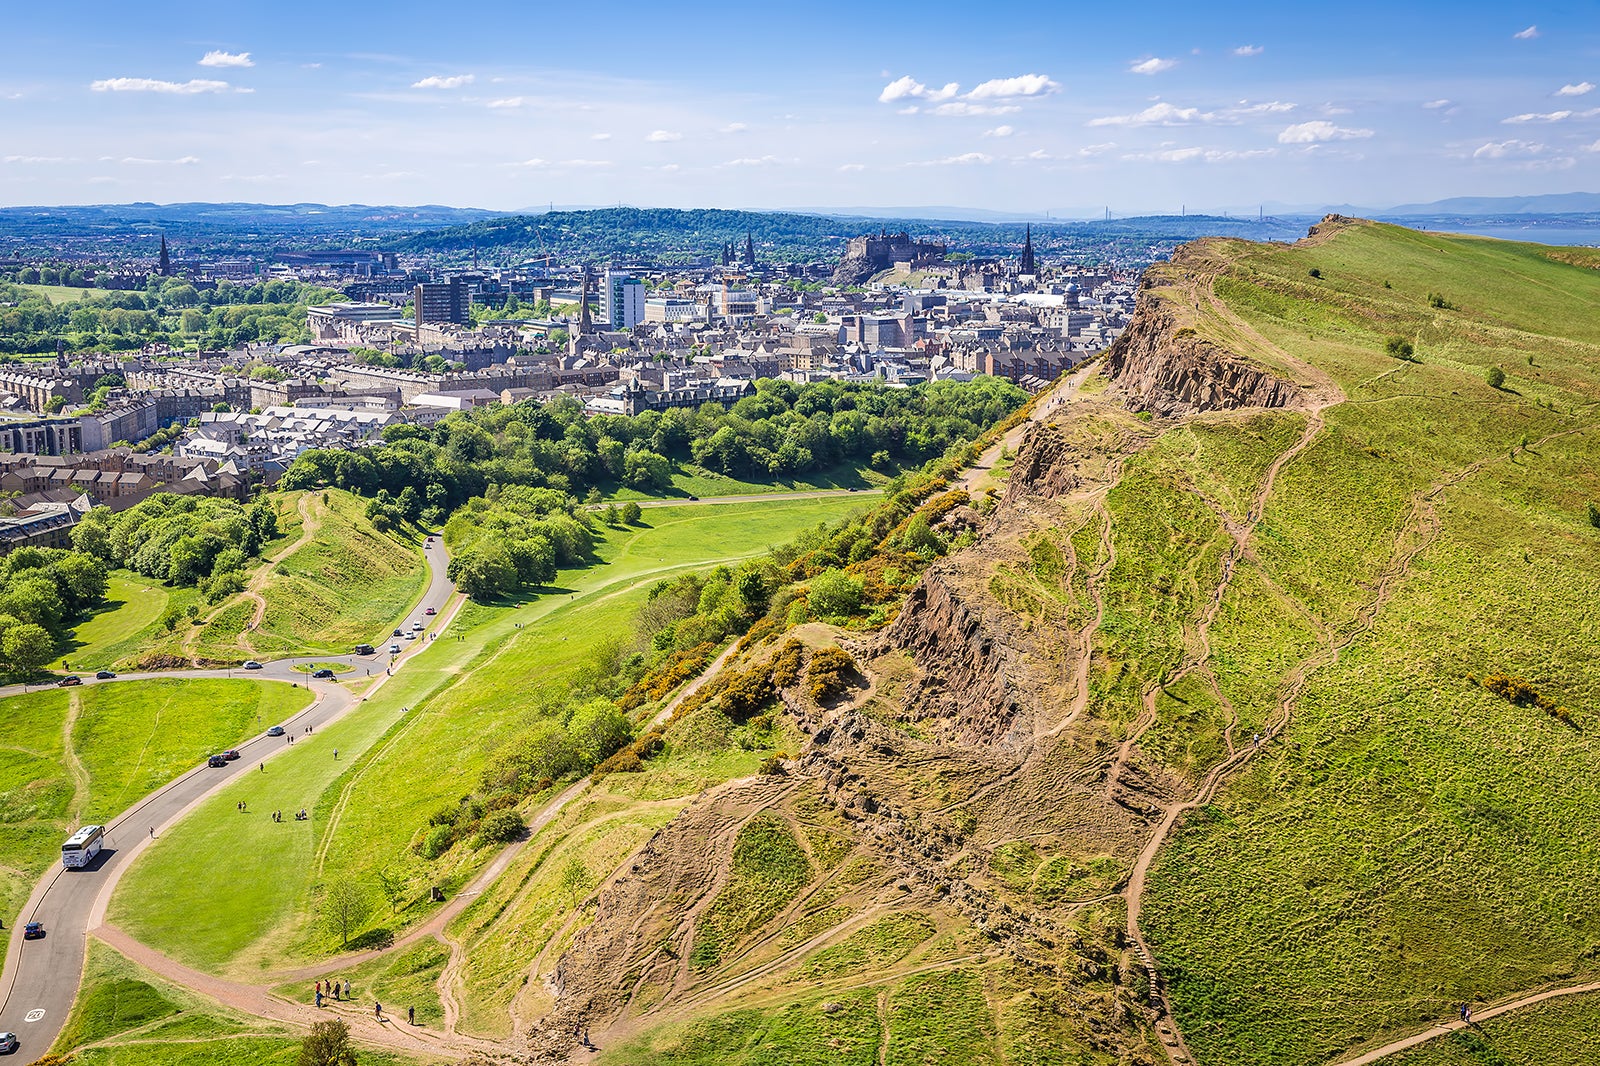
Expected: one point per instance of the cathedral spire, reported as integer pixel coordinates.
(164, 264)
(1026, 266)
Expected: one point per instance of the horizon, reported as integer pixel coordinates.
(1163, 108)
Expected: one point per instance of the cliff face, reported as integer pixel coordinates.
(1170, 370)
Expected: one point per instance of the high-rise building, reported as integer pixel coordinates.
(624, 300)
(446, 301)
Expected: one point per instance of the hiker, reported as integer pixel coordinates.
(335, 754)
(411, 1016)
(347, 990)
(318, 987)
(152, 832)
(1466, 1013)
(319, 999)
(263, 767)
(377, 1011)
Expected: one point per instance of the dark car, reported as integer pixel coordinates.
(399, 633)
(275, 731)
(71, 679)
(696, 498)
(230, 755)
(103, 675)
(8, 1043)
(33, 931)
(216, 760)
(251, 664)
(323, 673)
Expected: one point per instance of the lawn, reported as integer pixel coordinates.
(396, 766)
(120, 628)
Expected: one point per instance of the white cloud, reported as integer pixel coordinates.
(762, 161)
(1509, 150)
(1198, 155)
(507, 102)
(963, 160)
(31, 159)
(1153, 65)
(1549, 116)
(227, 59)
(999, 131)
(961, 108)
(1434, 105)
(586, 163)
(440, 81)
(534, 163)
(1245, 109)
(1160, 113)
(599, 136)
(1006, 88)
(155, 85)
(1526, 35)
(1248, 50)
(733, 127)
(663, 136)
(1089, 151)
(907, 87)
(851, 168)
(1583, 88)
(182, 161)
(1319, 130)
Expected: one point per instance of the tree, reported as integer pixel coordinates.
(1495, 377)
(328, 1044)
(834, 593)
(391, 886)
(344, 907)
(27, 647)
(574, 880)
(598, 729)
(631, 513)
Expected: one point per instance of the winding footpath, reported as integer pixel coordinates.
(41, 977)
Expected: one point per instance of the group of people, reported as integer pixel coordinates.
(299, 816)
(333, 990)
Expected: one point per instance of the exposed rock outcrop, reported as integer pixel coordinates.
(1169, 369)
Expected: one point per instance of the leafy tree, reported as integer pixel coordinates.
(834, 594)
(631, 513)
(27, 647)
(345, 906)
(598, 729)
(328, 1044)
(574, 880)
(391, 886)
(1495, 377)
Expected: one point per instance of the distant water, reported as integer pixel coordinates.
(1567, 230)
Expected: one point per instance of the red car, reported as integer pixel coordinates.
(430, 610)
(73, 679)
(230, 755)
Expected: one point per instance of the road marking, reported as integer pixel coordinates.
(33, 1015)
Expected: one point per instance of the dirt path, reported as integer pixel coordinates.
(1047, 401)
(69, 757)
(1439, 1029)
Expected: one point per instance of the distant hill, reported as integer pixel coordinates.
(1566, 203)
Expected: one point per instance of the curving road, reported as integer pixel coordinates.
(41, 977)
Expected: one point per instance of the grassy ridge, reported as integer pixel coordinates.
(1410, 842)
(464, 696)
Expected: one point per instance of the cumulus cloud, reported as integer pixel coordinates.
(1320, 130)
(441, 81)
(1509, 150)
(1159, 113)
(1549, 116)
(1153, 65)
(1007, 88)
(227, 59)
(963, 160)
(32, 159)
(907, 87)
(508, 102)
(999, 131)
(1248, 50)
(1526, 35)
(851, 168)
(663, 136)
(1089, 151)
(1434, 105)
(140, 161)
(1583, 88)
(1197, 155)
(599, 136)
(733, 127)
(156, 85)
(758, 161)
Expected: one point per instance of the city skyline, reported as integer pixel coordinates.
(1027, 108)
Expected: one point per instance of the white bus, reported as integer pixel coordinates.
(81, 848)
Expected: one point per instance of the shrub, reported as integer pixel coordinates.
(834, 594)
(1315, 272)
(746, 692)
(626, 761)
(1399, 347)
(1594, 515)
(826, 673)
(1495, 377)
(772, 766)
(501, 827)
(438, 841)
(786, 664)
(705, 730)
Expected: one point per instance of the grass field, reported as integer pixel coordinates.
(396, 766)
(127, 1016)
(1560, 1032)
(1410, 841)
(119, 629)
(71, 757)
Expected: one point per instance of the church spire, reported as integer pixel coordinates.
(1026, 266)
(164, 264)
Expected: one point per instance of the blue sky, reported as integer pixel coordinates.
(1007, 105)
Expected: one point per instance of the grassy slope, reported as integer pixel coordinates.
(1561, 1032)
(133, 604)
(464, 696)
(1410, 843)
(127, 738)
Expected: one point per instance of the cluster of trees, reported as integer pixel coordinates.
(183, 540)
(782, 430)
(44, 592)
(168, 310)
(515, 537)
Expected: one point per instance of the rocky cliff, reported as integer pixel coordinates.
(1169, 369)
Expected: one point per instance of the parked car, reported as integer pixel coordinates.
(103, 675)
(275, 731)
(33, 931)
(216, 760)
(251, 664)
(230, 755)
(394, 649)
(323, 673)
(430, 610)
(8, 1043)
(364, 649)
(70, 679)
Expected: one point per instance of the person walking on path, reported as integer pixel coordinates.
(411, 1016)
(377, 1011)
(263, 767)
(319, 998)
(347, 990)
(335, 754)
(152, 832)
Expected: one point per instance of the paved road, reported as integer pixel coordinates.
(41, 977)
(754, 497)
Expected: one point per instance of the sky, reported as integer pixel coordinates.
(1006, 105)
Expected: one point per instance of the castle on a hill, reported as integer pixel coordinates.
(867, 255)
